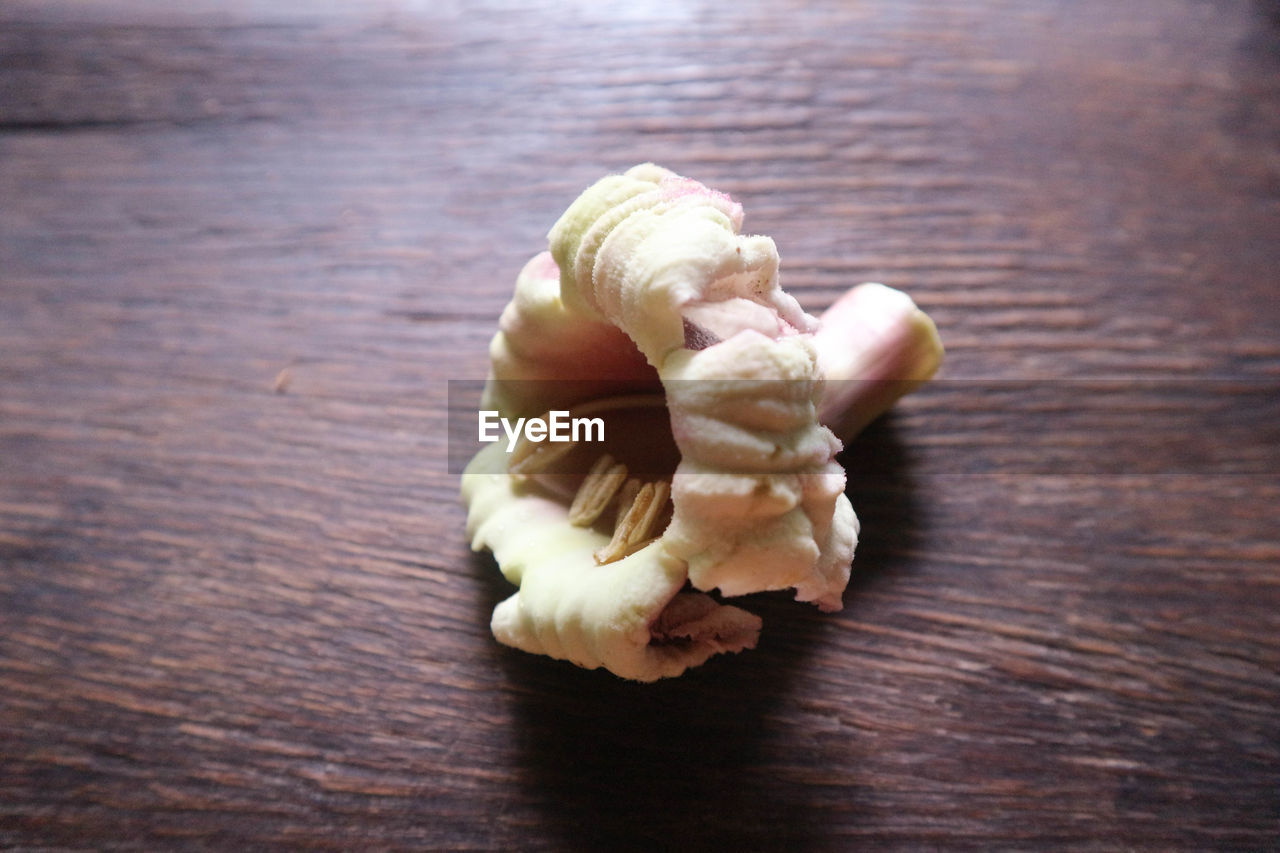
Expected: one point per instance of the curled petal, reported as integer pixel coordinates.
(648, 285)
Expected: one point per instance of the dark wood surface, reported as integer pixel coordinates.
(244, 246)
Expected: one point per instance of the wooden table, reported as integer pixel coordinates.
(244, 246)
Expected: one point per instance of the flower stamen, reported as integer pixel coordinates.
(636, 523)
(597, 491)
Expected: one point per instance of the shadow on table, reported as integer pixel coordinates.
(720, 757)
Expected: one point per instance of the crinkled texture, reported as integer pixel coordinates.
(635, 249)
(743, 413)
(649, 280)
(655, 254)
(569, 608)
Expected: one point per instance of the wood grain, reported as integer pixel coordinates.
(243, 248)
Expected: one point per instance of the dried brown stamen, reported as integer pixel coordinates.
(596, 491)
(626, 498)
(635, 527)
